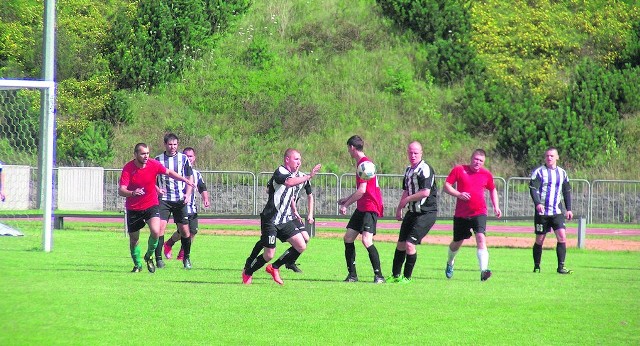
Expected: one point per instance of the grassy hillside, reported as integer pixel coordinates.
(310, 74)
(303, 75)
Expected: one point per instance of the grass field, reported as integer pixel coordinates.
(82, 293)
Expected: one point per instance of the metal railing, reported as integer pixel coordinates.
(244, 193)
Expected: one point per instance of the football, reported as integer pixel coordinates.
(366, 170)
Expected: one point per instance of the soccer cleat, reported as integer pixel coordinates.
(563, 270)
(150, 266)
(180, 255)
(404, 280)
(536, 269)
(294, 267)
(167, 250)
(394, 279)
(449, 271)
(275, 274)
(351, 278)
(136, 269)
(378, 280)
(485, 275)
(187, 263)
(246, 279)
(160, 263)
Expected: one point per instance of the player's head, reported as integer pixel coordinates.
(551, 157)
(477, 159)
(141, 153)
(171, 144)
(191, 155)
(414, 153)
(292, 160)
(356, 142)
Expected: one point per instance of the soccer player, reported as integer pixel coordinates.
(276, 219)
(471, 209)
(192, 207)
(420, 198)
(175, 197)
(138, 185)
(364, 219)
(547, 183)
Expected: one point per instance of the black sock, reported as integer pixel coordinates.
(375, 260)
(350, 256)
(561, 252)
(254, 253)
(159, 247)
(186, 246)
(289, 256)
(408, 267)
(255, 265)
(398, 261)
(537, 254)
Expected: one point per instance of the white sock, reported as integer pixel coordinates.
(483, 259)
(452, 256)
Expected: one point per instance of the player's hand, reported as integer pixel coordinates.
(399, 214)
(187, 198)
(540, 209)
(206, 203)
(498, 212)
(465, 196)
(315, 170)
(343, 209)
(569, 215)
(310, 219)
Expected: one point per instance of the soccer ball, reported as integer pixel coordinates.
(366, 170)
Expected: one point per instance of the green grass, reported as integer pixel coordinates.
(82, 293)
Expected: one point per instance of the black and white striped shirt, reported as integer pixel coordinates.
(174, 188)
(192, 207)
(421, 177)
(546, 185)
(278, 207)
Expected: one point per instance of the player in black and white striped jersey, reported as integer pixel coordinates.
(192, 206)
(547, 183)
(174, 198)
(420, 198)
(2, 194)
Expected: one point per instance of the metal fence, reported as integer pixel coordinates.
(244, 193)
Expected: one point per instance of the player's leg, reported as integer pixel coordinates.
(291, 265)
(420, 229)
(181, 218)
(561, 246)
(298, 245)
(164, 214)
(400, 254)
(168, 245)
(135, 222)
(461, 231)
(152, 244)
(368, 231)
(349, 238)
(268, 236)
(540, 230)
(479, 228)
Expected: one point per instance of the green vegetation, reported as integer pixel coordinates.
(242, 80)
(82, 293)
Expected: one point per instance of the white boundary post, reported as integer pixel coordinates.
(582, 232)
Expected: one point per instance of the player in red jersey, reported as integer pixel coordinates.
(369, 207)
(471, 209)
(138, 185)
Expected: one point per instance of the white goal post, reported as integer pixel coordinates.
(45, 149)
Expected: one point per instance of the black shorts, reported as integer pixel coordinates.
(193, 224)
(544, 223)
(363, 221)
(177, 209)
(415, 226)
(270, 231)
(462, 226)
(136, 219)
(299, 225)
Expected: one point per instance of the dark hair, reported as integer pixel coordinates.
(136, 149)
(356, 141)
(169, 137)
(479, 151)
(188, 149)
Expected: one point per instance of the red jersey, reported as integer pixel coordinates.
(133, 178)
(474, 183)
(372, 198)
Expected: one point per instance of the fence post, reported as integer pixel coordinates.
(582, 232)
